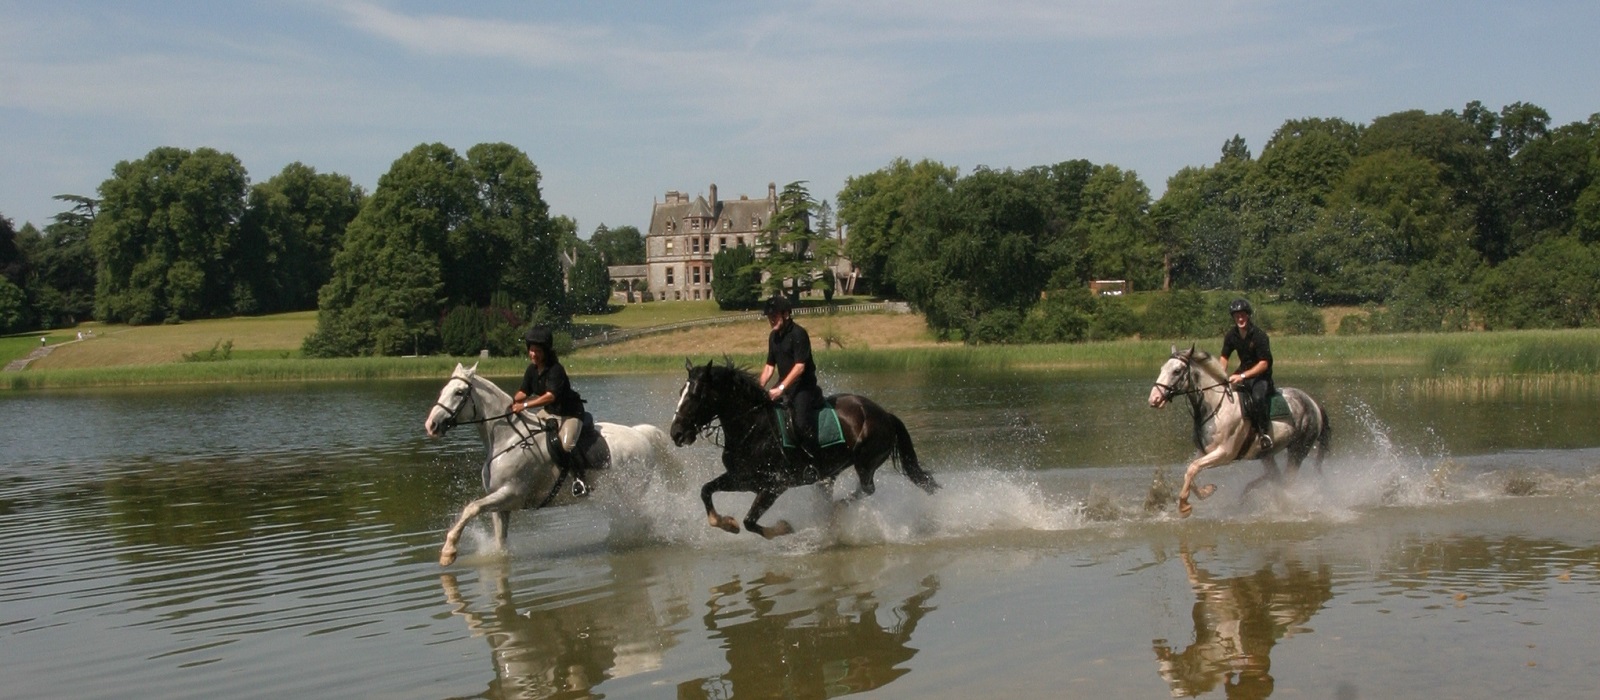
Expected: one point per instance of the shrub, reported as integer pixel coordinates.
(462, 331)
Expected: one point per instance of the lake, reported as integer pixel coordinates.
(282, 541)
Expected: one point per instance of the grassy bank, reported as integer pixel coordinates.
(265, 349)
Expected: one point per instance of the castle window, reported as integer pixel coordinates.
(669, 276)
(694, 244)
(722, 244)
(696, 272)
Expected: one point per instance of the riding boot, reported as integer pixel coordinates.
(579, 462)
(1264, 430)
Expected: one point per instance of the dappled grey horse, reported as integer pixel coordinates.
(1221, 432)
(519, 471)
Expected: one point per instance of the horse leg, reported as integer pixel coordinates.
(1269, 472)
(501, 500)
(502, 523)
(764, 500)
(726, 482)
(1219, 455)
(864, 485)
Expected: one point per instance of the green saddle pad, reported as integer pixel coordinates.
(1280, 407)
(829, 432)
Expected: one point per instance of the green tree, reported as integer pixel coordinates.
(623, 245)
(875, 208)
(794, 254)
(591, 282)
(294, 224)
(165, 236)
(974, 251)
(1122, 240)
(440, 230)
(1552, 285)
(63, 265)
(736, 278)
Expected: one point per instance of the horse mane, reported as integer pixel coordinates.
(1211, 366)
(742, 380)
(470, 376)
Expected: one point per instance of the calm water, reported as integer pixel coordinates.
(281, 541)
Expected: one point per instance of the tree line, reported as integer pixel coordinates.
(1431, 221)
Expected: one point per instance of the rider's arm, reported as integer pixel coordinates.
(544, 399)
(794, 375)
(766, 373)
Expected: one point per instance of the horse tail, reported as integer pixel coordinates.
(907, 457)
(1324, 438)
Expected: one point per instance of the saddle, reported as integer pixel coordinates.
(589, 443)
(829, 432)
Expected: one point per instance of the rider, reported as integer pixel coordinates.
(1254, 378)
(789, 357)
(545, 386)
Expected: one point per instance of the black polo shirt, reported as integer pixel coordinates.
(786, 347)
(1253, 347)
(552, 380)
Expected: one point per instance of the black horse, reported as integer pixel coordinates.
(753, 453)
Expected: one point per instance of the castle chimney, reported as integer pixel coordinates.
(713, 196)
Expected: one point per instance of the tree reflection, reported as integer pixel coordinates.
(1237, 621)
(562, 652)
(835, 648)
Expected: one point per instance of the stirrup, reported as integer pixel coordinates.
(1266, 441)
(579, 488)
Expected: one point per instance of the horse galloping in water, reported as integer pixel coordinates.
(1221, 431)
(753, 454)
(520, 471)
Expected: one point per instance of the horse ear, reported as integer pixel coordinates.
(687, 365)
(1191, 349)
(1174, 350)
(474, 368)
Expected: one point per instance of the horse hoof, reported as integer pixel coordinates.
(1205, 492)
(1184, 509)
(725, 523)
(778, 529)
(447, 557)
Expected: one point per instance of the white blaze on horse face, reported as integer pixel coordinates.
(682, 396)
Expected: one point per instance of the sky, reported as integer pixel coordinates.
(619, 102)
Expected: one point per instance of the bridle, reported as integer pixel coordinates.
(472, 398)
(713, 430)
(525, 432)
(1170, 390)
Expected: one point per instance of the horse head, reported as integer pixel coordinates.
(1174, 378)
(695, 405)
(456, 403)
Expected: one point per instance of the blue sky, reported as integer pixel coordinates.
(618, 102)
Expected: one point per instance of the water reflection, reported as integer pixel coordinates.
(565, 650)
(1237, 621)
(837, 647)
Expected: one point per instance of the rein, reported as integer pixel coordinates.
(1194, 392)
(715, 433)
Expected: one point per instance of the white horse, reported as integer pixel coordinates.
(1221, 432)
(519, 471)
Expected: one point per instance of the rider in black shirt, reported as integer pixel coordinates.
(545, 386)
(789, 358)
(1254, 378)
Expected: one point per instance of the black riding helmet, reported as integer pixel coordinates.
(539, 335)
(776, 305)
(1240, 305)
